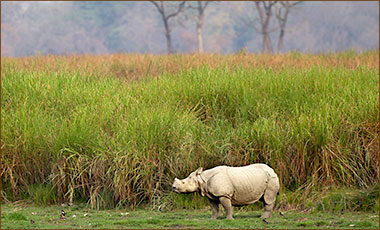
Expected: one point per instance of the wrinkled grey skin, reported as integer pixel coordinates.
(233, 186)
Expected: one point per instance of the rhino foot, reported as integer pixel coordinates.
(266, 215)
(268, 208)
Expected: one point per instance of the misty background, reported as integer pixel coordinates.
(64, 28)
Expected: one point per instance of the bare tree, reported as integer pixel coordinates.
(282, 13)
(264, 9)
(166, 16)
(201, 8)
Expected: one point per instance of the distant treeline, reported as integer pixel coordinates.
(30, 28)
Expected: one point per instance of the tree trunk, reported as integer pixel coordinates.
(201, 9)
(267, 44)
(280, 41)
(265, 18)
(199, 34)
(264, 48)
(282, 30)
(168, 37)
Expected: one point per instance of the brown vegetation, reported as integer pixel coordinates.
(136, 66)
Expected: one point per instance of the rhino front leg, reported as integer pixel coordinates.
(215, 208)
(227, 206)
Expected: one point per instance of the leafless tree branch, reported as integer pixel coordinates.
(179, 9)
(158, 7)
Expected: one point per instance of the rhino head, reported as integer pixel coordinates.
(189, 184)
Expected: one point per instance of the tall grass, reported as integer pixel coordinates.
(110, 143)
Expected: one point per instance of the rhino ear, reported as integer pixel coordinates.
(199, 171)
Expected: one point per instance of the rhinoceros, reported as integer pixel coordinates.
(233, 186)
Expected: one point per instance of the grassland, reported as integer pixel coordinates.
(31, 217)
(113, 131)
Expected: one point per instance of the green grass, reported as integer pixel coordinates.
(43, 194)
(111, 144)
(78, 216)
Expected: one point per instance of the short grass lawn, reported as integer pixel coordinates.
(16, 216)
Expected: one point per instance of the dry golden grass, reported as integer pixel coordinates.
(136, 66)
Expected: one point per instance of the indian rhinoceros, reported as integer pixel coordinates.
(233, 186)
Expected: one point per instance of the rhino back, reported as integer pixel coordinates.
(249, 183)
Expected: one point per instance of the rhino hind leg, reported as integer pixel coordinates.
(269, 197)
(215, 208)
(227, 206)
(268, 208)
